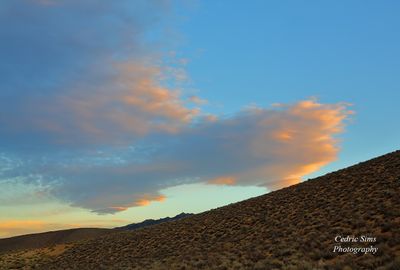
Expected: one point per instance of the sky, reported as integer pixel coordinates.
(112, 112)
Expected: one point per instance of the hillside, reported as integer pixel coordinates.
(291, 228)
(48, 239)
(53, 238)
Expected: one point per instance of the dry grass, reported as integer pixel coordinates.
(31, 259)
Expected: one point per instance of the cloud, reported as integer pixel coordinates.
(45, 2)
(91, 115)
(81, 72)
(142, 200)
(223, 180)
(130, 104)
(10, 228)
(197, 100)
(13, 227)
(246, 149)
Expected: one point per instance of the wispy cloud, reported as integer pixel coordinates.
(130, 104)
(223, 180)
(82, 72)
(197, 100)
(12, 227)
(142, 200)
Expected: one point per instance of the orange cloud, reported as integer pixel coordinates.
(21, 223)
(10, 228)
(284, 135)
(144, 200)
(272, 147)
(301, 141)
(224, 180)
(131, 104)
(210, 118)
(147, 200)
(197, 100)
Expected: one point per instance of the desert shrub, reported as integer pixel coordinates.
(386, 227)
(347, 268)
(285, 252)
(322, 254)
(268, 264)
(393, 242)
(395, 265)
(304, 265)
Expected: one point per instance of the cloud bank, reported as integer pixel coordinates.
(271, 147)
(91, 116)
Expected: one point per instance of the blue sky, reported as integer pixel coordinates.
(284, 51)
(113, 112)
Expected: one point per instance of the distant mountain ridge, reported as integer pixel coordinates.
(149, 222)
(52, 238)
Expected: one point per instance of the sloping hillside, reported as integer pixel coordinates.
(53, 238)
(48, 239)
(292, 228)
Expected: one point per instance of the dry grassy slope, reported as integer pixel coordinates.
(47, 239)
(292, 228)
